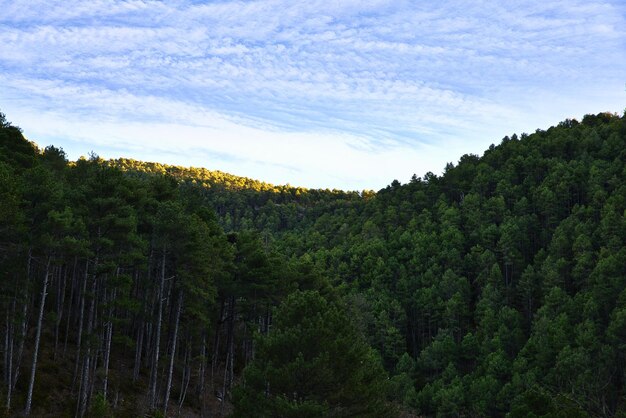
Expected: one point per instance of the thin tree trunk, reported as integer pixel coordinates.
(92, 375)
(139, 324)
(29, 395)
(228, 367)
(80, 391)
(157, 338)
(184, 383)
(24, 324)
(60, 307)
(9, 357)
(107, 352)
(268, 318)
(81, 316)
(244, 344)
(216, 344)
(138, 350)
(202, 373)
(185, 364)
(69, 306)
(231, 350)
(23, 329)
(6, 346)
(85, 384)
(172, 354)
(148, 347)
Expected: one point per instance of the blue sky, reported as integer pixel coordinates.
(332, 94)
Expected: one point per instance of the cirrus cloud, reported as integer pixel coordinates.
(347, 94)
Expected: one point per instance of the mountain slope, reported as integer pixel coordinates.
(497, 288)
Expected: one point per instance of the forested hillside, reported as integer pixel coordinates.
(496, 289)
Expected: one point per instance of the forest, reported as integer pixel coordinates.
(496, 289)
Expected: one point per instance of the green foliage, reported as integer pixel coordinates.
(313, 363)
(100, 407)
(498, 287)
(536, 402)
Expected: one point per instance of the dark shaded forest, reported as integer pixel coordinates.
(140, 289)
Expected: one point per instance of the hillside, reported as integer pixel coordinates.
(495, 289)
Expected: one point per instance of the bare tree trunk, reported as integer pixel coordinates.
(231, 349)
(81, 316)
(60, 307)
(107, 351)
(228, 367)
(80, 390)
(138, 350)
(9, 356)
(184, 382)
(24, 324)
(6, 345)
(245, 344)
(216, 344)
(69, 307)
(157, 338)
(172, 354)
(92, 375)
(148, 302)
(29, 395)
(23, 329)
(202, 373)
(148, 346)
(85, 384)
(84, 387)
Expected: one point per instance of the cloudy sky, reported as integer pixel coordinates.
(339, 94)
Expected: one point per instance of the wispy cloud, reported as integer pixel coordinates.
(340, 94)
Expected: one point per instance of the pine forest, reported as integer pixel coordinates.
(495, 289)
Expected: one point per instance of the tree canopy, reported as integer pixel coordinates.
(497, 288)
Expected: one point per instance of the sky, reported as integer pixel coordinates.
(318, 93)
